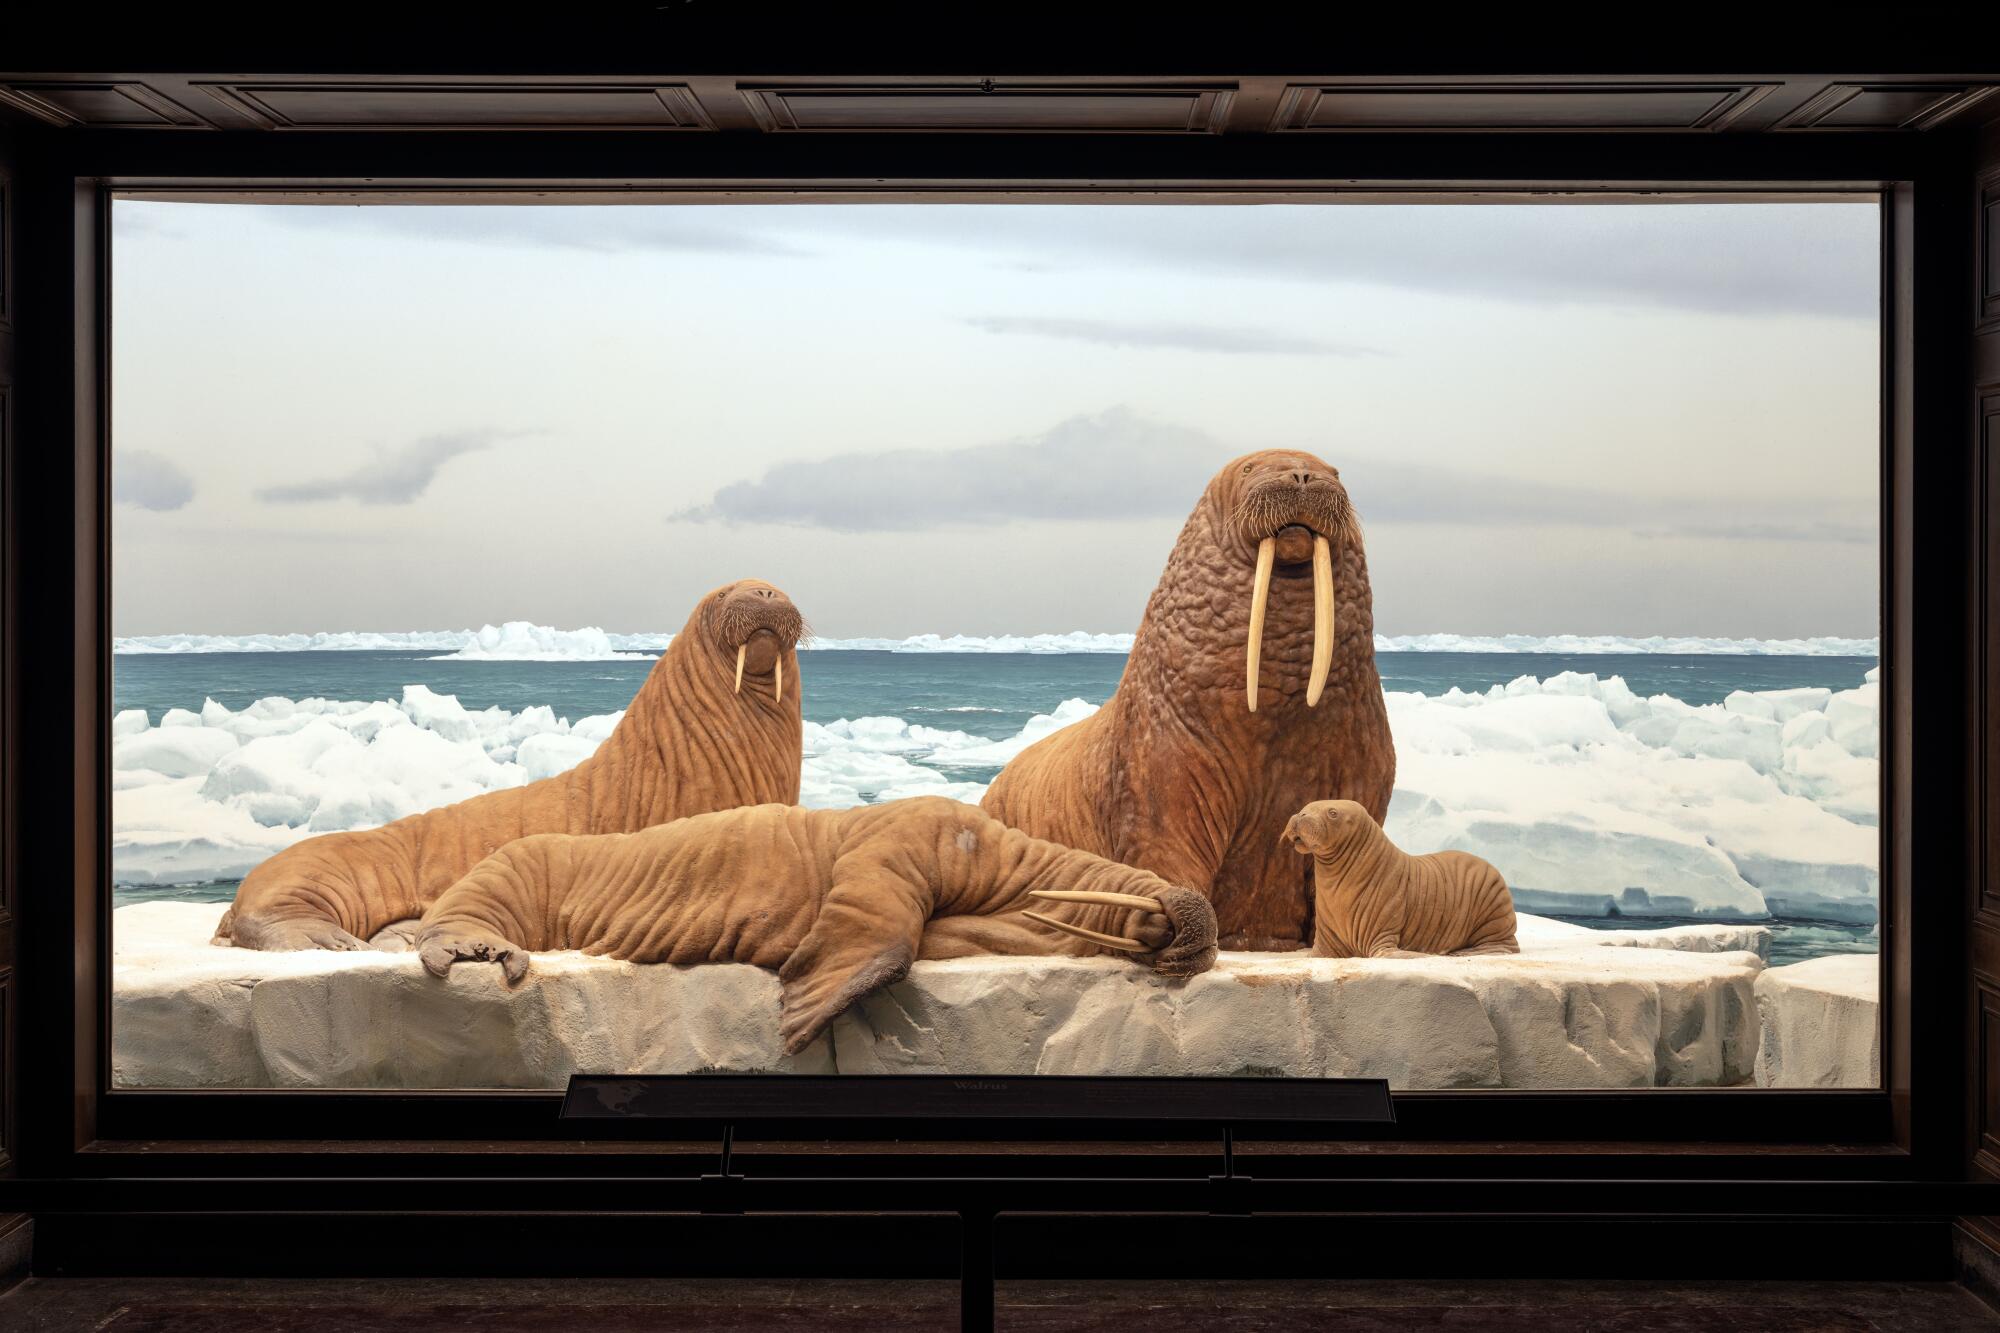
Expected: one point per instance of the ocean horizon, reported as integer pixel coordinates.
(522, 640)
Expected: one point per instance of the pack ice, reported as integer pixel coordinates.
(1590, 799)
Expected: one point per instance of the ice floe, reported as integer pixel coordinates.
(520, 641)
(1591, 799)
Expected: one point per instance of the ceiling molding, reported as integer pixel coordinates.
(991, 105)
(125, 104)
(1374, 108)
(1884, 106)
(487, 105)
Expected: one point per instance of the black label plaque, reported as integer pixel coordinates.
(753, 1097)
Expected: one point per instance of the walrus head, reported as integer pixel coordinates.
(1287, 510)
(752, 625)
(1324, 826)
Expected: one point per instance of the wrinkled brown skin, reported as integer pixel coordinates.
(689, 743)
(1377, 901)
(1175, 774)
(839, 901)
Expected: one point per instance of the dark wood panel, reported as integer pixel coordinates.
(1885, 106)
(1985, 937)
(124, 105)
(1988, 251)
(7, 1008)
(463, 106)
(1987, 1123)
(1473, 106)
(987, 105)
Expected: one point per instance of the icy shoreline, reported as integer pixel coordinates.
(1592, 800)
(1577, 1009)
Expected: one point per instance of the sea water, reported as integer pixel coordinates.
(991, 695)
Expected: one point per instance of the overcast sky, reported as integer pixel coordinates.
(1613, 419)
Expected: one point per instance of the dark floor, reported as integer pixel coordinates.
(180, 1305)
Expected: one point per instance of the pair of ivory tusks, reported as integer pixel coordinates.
(1260, 596)
(1106, 899)
(778, 679)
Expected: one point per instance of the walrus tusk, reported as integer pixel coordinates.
(1260, 596)
(742, 649)
(1095, 937)
(1144, 904)
(778, 679)
(1322, 620)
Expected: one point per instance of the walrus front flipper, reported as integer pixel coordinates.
(442, 945)
(866, 936)
(1192, 948)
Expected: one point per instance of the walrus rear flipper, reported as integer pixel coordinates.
(866, 936)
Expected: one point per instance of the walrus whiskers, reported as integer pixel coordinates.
(1260, 597)
(1095, 937)
(1322, 620)
(742, 649)
(1091, 896)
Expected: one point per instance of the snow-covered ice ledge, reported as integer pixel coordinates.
(1574, 1011)
(1821, 1023)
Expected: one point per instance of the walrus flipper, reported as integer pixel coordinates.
(866, 936)
(1192, 948)
(440, 947)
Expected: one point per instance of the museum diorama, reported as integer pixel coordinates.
(1193, 879)
(1443, 612)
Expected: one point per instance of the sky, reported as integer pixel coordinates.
(987, 419)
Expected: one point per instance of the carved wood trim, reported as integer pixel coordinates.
(347, 106)
(990, 106)
(1986, 1080)
(1933, 104)
(42, 99)
(1547, 107)
(1986, 253)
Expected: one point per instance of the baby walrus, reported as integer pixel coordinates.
(1372, 899)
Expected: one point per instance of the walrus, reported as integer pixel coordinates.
(1375, 900)
(839, 901)
(1250, 690)
(715, 725)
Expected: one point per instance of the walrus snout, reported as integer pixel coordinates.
(761, 651)
(755, 624)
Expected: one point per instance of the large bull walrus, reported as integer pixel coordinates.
(839, 901)
(715, 725)
(1375, 900)
(1251, 690)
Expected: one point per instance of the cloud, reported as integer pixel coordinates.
(132, 217)
(149, 481)
(1183, 337)
(1717, 257)
(1730, 258)
(1112, 465)
(602, 229)
(1754, 529)
(393, 477)
(1120, 465)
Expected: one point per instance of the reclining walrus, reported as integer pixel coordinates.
(715, 725)
(839, 901)
(1377, 901)
(1251, 690)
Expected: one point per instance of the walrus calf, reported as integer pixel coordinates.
(1251, 689)
(839, 901)
(1377, 901)
(715, 725)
